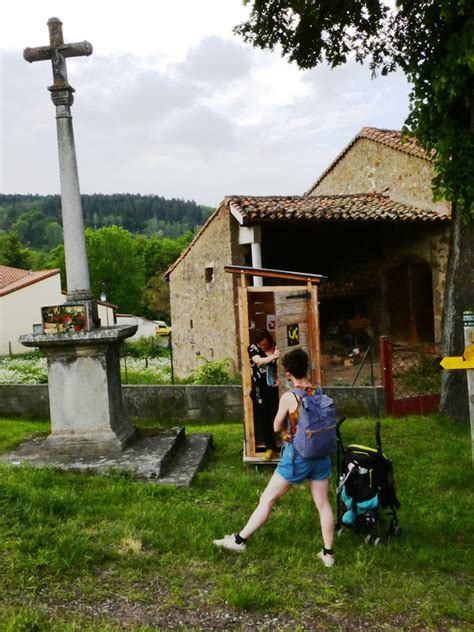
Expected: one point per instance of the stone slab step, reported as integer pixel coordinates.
(188, 460)
(159, 455)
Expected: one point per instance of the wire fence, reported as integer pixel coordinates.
(416, 369)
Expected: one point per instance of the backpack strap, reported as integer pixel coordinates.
(299, 392)
(292, 418)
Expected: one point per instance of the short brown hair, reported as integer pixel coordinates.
(296, 362)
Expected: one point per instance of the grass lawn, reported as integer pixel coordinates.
(79, 552)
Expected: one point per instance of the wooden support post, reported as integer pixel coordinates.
(466, 362)
(314, 334)
(249, 430)
(468, 322)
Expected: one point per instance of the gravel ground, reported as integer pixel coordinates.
(196, 614)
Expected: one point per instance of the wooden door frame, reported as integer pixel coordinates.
(311, 287)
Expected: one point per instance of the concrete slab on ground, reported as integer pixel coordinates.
(167, 456)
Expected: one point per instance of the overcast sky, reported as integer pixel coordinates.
(172, 103)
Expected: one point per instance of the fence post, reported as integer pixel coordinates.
(386, 369)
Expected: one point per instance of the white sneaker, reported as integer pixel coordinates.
(327, 560)
(228, 542)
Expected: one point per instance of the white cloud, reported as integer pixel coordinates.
(172, 103)
(215, 60)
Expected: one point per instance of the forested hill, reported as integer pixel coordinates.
(36, 219)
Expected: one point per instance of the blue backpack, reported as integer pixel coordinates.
(315, 433)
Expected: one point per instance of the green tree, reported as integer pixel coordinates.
(56, 259)
(157, 298)
(30, 227)
(116, 266)
(159, 253)
(53, 234)
(432, 41)
(14, 254)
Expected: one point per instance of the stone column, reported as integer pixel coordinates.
(77, 272)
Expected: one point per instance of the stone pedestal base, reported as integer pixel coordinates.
(85, 390)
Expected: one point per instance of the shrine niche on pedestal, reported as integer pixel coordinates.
(291, 314)
(85, 395)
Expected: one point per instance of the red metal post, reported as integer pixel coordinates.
(386, 368)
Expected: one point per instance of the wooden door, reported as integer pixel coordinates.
(291, 313)
(297, 326)
(410, 303)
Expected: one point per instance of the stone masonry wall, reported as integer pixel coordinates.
(203, 299)
(369, 166)
(183, 403)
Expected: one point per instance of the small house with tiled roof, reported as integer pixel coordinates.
(22, 294)
(368, 223)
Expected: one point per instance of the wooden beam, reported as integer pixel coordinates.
(276, 274)
(316, 345)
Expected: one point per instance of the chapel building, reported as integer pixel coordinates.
(368, 223)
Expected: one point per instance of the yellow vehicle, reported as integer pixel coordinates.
(162, 329)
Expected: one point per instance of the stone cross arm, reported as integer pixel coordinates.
(42, 53)
(57, 52)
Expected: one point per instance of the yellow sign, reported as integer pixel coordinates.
(468, 353)
(293, 335)
(457, 363)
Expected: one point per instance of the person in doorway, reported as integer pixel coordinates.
(292, 469)
(263, 355)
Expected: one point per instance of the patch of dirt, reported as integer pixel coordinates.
(152, 608)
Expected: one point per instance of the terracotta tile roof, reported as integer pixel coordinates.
(388, 137)
(393, 138)
(12, 279)
(10, 275)
(361, 207)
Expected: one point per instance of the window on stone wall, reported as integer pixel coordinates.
(209, 275)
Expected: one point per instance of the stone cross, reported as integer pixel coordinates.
(77, 271)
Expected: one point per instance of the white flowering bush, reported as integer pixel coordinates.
(31, 369)
(145, 370)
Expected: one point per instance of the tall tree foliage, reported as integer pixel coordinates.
(37, 219)
(432, 41)
(116, 267)
(128, 268)
(14, 254)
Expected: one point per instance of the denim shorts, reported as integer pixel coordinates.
(300, 469)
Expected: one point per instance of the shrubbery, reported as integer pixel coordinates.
(27, 368)
(213, 372)
(142, 362)
(146, 347)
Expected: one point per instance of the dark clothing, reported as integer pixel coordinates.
(260, 374)
(264, 412)
(264, 398)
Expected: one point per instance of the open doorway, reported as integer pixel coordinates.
(410, 303)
